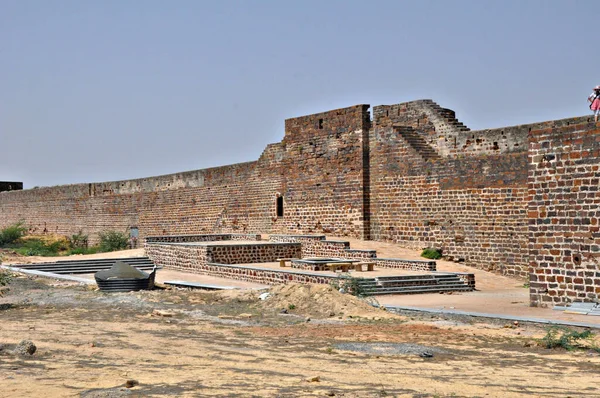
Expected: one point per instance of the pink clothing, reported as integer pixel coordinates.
(596, 104)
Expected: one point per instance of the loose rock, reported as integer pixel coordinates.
(163, 313)
(131, 383)
(25, 347)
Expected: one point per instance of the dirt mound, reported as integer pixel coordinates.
(320, 301)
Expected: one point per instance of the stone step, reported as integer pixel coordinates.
(399, 284)
(417, 290)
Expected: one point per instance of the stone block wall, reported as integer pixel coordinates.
(324, 173)
(473, 208)
(564, 213)
(318, 246)
(202, 238)
(237, 198)
(193, 255)
(411, 265)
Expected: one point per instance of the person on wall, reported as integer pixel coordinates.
(594, 100)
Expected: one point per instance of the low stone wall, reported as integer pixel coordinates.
(191, 256)
(317, 246)
(412, 265)
(247, 253)
(201, 238)
(180, 257)
(261, 275)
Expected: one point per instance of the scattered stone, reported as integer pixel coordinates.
(163, 313)
(307, 319)
(221, 316)
(245, 315)
(315, 379)
(330, 394)
(527, 344)
(332, 313)
(264, 296)
(283, 311)
(131, 383)
(4, 290)
(516, 323)
(426, 354)
(25, 347)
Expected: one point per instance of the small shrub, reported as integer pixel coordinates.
(79, 240)
(111, 241)
(569, 339)
(349, 284)
(37, 247)
(291, 306)
(5, 278)
(431, 253)
(12, 233)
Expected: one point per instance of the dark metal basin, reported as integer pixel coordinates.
(122, 277)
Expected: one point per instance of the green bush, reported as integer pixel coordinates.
(79, 240)
(431, 253)
(36, 247)
(111, 241)
(5, 278)
(12, 233)
(569, 339)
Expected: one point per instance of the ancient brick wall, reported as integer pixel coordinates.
(564, 212)
(473, 207)
(324, 173)
(201, 238)
(236, 198)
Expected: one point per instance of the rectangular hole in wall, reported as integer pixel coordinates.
(280, 206)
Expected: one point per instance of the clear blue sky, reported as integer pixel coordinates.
(105, 90)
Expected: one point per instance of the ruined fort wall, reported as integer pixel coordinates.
(323, 171)
(235, 198)
(473, 207)
(318, 170)
(564, 212)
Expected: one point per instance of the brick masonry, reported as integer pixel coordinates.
(413, 175)
(564, 213)
(221, 260)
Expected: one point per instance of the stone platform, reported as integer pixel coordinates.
(248, 258)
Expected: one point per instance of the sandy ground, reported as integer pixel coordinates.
(303, 341)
